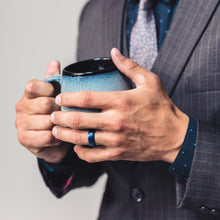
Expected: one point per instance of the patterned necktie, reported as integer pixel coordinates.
(143, 43)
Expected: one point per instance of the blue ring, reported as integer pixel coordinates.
(91, 138)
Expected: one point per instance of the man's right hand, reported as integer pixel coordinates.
(33, 119)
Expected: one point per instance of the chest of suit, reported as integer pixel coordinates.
(187, 64)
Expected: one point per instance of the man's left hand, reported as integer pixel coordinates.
(141, 124)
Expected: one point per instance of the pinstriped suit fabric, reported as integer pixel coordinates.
(198, 94)
(189, 66)
(192, 47)
(107, 37)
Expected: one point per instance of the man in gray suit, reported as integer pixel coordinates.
(142, 135)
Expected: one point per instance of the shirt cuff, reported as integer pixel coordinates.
(181, 166)
(58, 177)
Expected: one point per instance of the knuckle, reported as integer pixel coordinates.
(31, 85)
(76, 138)
(48, 138)
(86, 99)
(119, 102)
(124, 104)
(116, 141)
(133, 66)
(117, 125)
(44, 123)
(22, 137)
(47, 124)
(19, 107)
(18, 123)
(74, 120)
(46, 105)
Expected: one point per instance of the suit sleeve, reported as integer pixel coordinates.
(202, 190)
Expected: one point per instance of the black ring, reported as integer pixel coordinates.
(91, 138)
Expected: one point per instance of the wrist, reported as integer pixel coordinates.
(180, 126)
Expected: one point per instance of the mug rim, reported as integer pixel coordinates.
(98, 66)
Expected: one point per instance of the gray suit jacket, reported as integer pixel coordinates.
(189, 66)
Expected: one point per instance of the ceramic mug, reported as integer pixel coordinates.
(99, 74)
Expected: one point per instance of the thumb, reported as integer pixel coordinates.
(53, 68)
(130, 68)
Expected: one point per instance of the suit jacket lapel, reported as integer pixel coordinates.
(189, 22)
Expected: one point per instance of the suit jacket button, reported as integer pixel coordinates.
(137, 194)
(215, 212)
(204, 209)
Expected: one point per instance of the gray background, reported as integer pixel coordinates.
(32, 32)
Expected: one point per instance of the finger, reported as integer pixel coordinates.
(98, 154)
(81, 120)
(53, 68)
(80, 137)
(33, 122)
(130, 68)
(36, 88)
(42, 105)
(37, 138)
(88, 99)
(70, 135)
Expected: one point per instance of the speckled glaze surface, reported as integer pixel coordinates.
(101, 82)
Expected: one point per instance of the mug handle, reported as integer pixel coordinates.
(56, 78)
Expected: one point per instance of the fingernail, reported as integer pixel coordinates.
(75, 149)
(54, 131)
(53, 68)
(58, 100)
(52, 117)
(118, 53)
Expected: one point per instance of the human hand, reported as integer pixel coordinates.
(33, 119)
(141, 124)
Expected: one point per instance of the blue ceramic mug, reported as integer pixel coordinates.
(98, 74)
